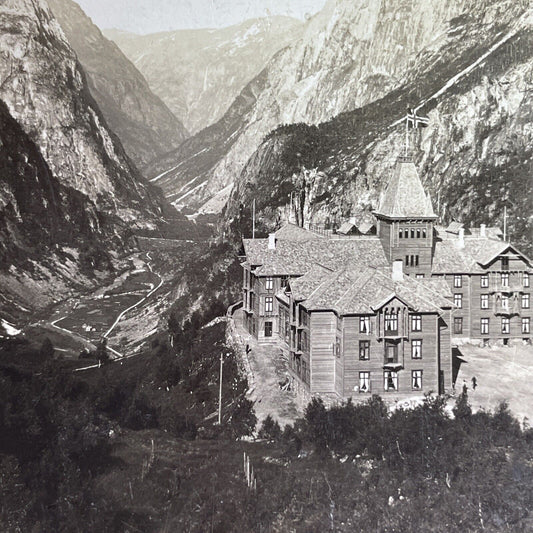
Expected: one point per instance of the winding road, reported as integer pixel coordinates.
(119, 356)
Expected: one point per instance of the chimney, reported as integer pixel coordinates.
(461, 238)
(397, 270)
(483, 230)
(272, 241)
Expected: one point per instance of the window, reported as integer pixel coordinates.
(506, 325)
(505, 263)
(526, 325)
(458, 300)
(484, 301)
(305, 373)
(400, 233)
(406, 260)
(416, 349)
(416, 323)
(364, 324)
(525, 279)
(412, 233)
(337, 347)
(391, 322)
(364, 350)
(458, 325)
(364, 381)
(484, 326)
(418, 233)
(458, 280)
(416, 379)
(416, 260)
(484, 281)
(525, 301)
(505, 279)
(390, 380)
(284, 281)
(269, 284)
(391, 352)
(269, 304)
(268, 329)
(424, 233)
(505, 302)
(419, 276)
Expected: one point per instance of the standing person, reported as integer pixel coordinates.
(474, 383)
(465, 388)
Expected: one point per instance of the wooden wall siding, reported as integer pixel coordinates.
(428, 364)
(323, 334)
(472, 312)
(385, 237)
(446, 358)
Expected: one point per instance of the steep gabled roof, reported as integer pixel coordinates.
(296, 258)
(356, 290)
(292, 232)
(405, 196)
(477, 252)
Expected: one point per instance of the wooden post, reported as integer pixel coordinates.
(220, 391)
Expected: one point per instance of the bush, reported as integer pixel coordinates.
(270, 429)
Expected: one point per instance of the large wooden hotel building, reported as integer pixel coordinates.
(362, 314)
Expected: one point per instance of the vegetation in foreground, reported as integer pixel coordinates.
(135, 447)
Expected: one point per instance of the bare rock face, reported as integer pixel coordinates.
(350, 54)
(475, 157)
(144, 124)
(46, 92)
(69, 195)
(198, 73)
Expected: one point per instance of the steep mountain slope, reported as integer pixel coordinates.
(144, 124)
(351, 53)
(475, 156)
(198, 73)
(69, 194)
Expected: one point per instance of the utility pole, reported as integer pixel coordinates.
(220, 390)
(253, 219)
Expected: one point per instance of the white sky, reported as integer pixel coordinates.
(150, 16)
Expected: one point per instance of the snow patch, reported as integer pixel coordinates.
(10, 329)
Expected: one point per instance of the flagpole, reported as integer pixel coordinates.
(406, 134)
(253, 220)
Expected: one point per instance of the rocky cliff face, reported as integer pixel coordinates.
(69, 195)
(144, 124)
(198, 73)
(46, 92)
(351, 53)
(474, 83)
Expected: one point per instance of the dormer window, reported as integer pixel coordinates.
(505, 263)
(269, 284)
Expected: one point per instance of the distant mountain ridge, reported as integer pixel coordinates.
(349, 54)
(198, 73)
(144, 124)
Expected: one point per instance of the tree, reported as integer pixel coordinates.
(462, 410)
(47, 349)
(101, 353)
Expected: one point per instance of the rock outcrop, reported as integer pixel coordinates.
(198, 73)
(144, 124)
(475, 85)
(69, 195)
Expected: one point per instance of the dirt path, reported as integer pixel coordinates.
(269, 368)
(73, 318)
